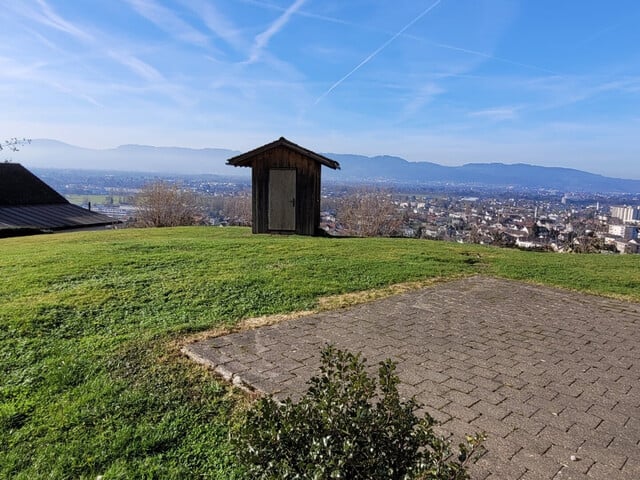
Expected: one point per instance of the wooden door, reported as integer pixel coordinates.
(282, 199)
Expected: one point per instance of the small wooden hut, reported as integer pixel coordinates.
(285, 185)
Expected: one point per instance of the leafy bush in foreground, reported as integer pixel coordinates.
(347, 426)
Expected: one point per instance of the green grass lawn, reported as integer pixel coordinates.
(92, 382)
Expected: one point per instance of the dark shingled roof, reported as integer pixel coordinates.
(18, 186)
(246, 159)
(56, 216)
(28, 202)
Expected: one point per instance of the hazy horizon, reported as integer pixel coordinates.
(44, 153)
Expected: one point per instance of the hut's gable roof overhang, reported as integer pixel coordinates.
(247, 159)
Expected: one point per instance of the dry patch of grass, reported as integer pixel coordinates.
(327, 303)
(242, 326)
(345, 300)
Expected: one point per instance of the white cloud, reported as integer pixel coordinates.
(137, 66)
(10, 69)
(423, 96)
(262, 40)
(74, 93)
(561, 91)
(217, 23)
(497, 113)
(45, 15)
(166, 20)
(37, 73)
(52, 19)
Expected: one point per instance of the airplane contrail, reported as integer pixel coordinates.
(378, 50)
(486, 55)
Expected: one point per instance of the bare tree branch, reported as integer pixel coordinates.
(161, 204)
(13, 145)
(237, 210)
(369, 212)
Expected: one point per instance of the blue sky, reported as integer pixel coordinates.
(547, 82)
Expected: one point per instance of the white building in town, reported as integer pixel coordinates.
(625, 213)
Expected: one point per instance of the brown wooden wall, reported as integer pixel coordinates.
(307, 189)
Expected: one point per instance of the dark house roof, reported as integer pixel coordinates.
(28, 202)
(246, 159)
(18, 187)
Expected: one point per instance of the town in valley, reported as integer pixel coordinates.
(533, 219)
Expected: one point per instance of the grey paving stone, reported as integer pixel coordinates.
(545, 372)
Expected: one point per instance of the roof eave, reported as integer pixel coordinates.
(246, 159)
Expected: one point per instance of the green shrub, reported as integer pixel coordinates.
(347, 426)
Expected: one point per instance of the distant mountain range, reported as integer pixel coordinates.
(131, 158)
(396, 169)
(355, 168)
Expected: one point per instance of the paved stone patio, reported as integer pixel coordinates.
(546, 373)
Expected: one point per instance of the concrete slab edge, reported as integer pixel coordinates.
(228, 376)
